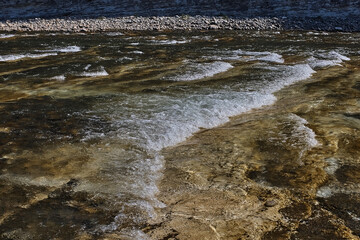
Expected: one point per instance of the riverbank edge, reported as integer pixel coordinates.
(184, 22)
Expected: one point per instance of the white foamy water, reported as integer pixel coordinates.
(302, 137)
(261, 56)
(326, 59)
(285, 75)
(354, 216)
(336, 55)
(114, 34)
(69, 49)
(59, 78)
(169, 42)
(137, 52)
(100, 73)
(169, 120)
(87, 67)
(304, 133)
(7, 35)
(318, 33)
(249, 56)
(15, 57)
(202, 70)
(125, 59)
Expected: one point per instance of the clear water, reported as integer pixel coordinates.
(92, 112)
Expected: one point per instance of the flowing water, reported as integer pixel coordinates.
(84, 117)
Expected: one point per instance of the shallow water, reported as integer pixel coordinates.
(85, 116)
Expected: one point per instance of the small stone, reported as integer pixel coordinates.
(270, 203)
(213, 27)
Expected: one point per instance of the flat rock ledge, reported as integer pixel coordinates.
(184, 22)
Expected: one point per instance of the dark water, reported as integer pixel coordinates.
(84, 116)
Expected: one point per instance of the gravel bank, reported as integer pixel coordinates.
(185, 22)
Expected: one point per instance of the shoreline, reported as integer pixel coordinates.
(184, 22)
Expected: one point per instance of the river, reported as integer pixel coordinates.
(85, 118)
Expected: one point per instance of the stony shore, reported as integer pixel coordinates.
(184, 22)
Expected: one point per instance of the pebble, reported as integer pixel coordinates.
(270, 203)
(213, 27)
(133, 23)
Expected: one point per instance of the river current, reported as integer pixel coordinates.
(84, 117)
